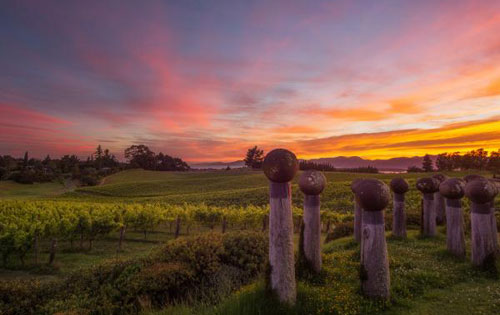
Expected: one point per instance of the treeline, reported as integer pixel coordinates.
(309, 165)
(28, 170)
(473, 160)
(88, 172)
(140, 156)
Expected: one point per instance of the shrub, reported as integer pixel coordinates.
(201, 268)
(340, 230)
(88, 180)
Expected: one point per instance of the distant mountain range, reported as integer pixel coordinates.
(394, 164)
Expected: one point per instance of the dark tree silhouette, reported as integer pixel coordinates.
(141, 156)
(427, 163)
(254, 157)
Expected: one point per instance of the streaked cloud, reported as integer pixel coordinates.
(206, 81)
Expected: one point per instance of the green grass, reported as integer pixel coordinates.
(424, 280)
(224, 188)
(13, 190)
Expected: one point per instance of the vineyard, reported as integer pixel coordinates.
(144, 203)
(58, 234)
(26, 223)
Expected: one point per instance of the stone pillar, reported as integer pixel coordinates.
(428, 187)
(399, 187)
(374, 196)
(280, 166)
(494, 227)
(312, 183)
(453, 190)
(481, 192)
(439, 201)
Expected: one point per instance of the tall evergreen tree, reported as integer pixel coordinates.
(25, 160)
(427, 163)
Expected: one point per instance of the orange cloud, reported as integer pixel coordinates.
(411, 142)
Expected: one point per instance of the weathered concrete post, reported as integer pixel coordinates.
(494, 228)
(439, 200)
(312, 183)
(399, 187)
(481, 192)
(428, 187)
(374, 195)
(280, 166)
(358, 212)
(453, 190)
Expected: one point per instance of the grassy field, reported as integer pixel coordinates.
(13, 190)
(425, 280)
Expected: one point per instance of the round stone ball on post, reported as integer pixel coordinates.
(358, 211)
(374, 196)
(312, 183)
(428, 187)
(471, 177)
(439, 200)
(280, 166)
(481, 192)
(453, 190)
(399, 187)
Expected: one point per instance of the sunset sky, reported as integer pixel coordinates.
(205, 80)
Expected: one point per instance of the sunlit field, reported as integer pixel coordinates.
(87, 224)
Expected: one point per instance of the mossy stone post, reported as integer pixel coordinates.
(373, 196)
(494, 227)
(399, 187)
(428, 187)
(453, 190)
(358, 212)
(312, 183)
(439, 201)
(481, 192)
(280, 166)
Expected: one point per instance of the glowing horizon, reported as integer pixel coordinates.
(205, 82)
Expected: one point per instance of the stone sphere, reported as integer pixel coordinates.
(496, 185)
(427, 185)
(399, 185)
(480, 191)
(440, 177)
(471, 177)
(280, 165)
(452, 188)
(354, 184)
(373, 194)
(312, 182)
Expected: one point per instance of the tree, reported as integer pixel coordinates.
(443, 162)
(254, 158)
(165, 162)
(98, 157)
(141, 156)
(414, 169)
(427, 163)
(25, 160)
(494, 162)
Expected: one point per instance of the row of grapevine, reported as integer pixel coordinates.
(24, 224)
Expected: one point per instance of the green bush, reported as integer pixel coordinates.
(201, 268)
